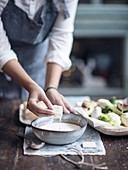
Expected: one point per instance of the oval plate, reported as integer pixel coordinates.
(105, 129)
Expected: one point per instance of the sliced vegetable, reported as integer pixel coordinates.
(104, 102)
(124, 119)
(88, 106)
(123, 107)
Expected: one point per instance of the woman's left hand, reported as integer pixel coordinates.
(57, 99)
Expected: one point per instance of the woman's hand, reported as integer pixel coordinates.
(37, 94)
(56, 98)
(54, 72)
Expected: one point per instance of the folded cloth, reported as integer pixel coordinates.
(50, 150)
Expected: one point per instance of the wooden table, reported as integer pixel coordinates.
(11, 152)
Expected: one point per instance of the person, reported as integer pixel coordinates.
(34, 32)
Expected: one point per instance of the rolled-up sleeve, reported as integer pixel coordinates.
(6, 53)
(61, 37)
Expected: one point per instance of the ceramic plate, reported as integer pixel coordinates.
(21, 116)
(122, 131)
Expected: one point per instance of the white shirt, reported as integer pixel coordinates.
(61, 38)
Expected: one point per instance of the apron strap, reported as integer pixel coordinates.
(66, 12)
(11, 1)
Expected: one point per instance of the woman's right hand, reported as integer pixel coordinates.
(36, 94)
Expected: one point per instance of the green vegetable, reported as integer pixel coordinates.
(104, 118)
(106, 110)
(113, 101)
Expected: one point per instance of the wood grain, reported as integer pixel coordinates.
(11, 153)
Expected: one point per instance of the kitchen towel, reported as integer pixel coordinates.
(50, 150)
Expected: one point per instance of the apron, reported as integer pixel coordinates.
(29, 40)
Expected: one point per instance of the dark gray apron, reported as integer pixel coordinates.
(29, 40)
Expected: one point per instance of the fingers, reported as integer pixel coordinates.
(48, 103)
(67, 107)
(56, 98)
(34, 107)
(65, 110)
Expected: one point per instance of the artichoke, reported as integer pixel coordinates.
(104, 102)
(124, 119)
(88, 106)
(122, 107)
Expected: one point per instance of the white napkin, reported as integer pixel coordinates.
(93, 121)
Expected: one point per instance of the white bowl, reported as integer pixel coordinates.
(59, 137)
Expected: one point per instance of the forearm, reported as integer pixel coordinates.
(17, 73)
(53, 75)
(54, 72)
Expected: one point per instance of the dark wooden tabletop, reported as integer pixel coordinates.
(11, 152)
